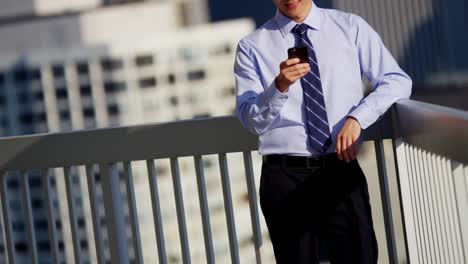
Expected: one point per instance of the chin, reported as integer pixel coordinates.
(295, 9)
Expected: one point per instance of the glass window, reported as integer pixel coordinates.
(82, 68)
(85, 89)
(65, 115)
(113, 109)
(61, 92)
(147, 82)
(171, 78)
(34, 74)
(114, 86)
(58, 70)
(144, 60)
(111, 64)
(196, 75)
(20, 75)
(88, 112)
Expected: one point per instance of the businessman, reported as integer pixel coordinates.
(309, 116)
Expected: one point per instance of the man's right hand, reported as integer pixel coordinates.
(290, 71)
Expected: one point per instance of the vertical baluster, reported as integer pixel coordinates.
(95, 215)
(453, 207)
(447, 232)
(254, 215)
(434, 208)
(205, 212)
(29, 219)
(72, 214)
(116, 229)
(386, 202)
(233, 245)
(439, 215)
(417, 205)
(133, 212)
(156, 211)
(406, 202)
(423, 205)
(9, 242)
(49, 201)
(180, 210)
(461, 199)
(417, 254)
(429, 207)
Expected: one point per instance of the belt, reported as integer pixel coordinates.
(302, 161)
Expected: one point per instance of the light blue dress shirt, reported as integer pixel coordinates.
(346, 48)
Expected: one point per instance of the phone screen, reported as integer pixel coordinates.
(299, 52)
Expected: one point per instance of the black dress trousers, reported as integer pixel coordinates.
(327, 201)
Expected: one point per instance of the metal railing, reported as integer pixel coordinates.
(433, 190)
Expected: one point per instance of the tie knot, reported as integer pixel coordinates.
(300, 29)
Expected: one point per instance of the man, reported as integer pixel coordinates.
(309, 118)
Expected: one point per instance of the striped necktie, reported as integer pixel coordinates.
(318, 130)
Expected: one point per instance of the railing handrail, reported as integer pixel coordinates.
(437, 129)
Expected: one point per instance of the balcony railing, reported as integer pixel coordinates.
(429, 143)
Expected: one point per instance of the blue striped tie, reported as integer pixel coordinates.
(318, 130)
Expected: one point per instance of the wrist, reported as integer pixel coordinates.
(352, 118)
(280, 86)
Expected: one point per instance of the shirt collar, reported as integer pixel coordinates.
(285, 24)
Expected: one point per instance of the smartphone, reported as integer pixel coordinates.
(299, 52)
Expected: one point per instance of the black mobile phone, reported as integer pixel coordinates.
(299, 52)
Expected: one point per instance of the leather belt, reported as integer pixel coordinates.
(302, 161)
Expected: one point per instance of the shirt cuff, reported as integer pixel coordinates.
(276, 98)
(364, 116)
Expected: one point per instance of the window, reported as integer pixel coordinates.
(58, 70)
(23, 97)
(144, 60)
(82, 68)
(196, 75)
(41, 117)
(43, 245)
(26, 118)
(113, 109)
(113, 86)
(35, 182)
(147, 82)
(12, 183)
(2, 100)
(88, 112)
(34, 74)
(111, 64)
(39, 95)
(174, 100)
(18, 226)
(41, 224)
(21, 246)
(64, 115)
(171, 79)
(20, 75)
(61, 92)
(85, 90)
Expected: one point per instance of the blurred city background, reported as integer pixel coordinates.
(86, 64)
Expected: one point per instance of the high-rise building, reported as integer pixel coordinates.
(69, 66)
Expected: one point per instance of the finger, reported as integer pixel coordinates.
(345, 149)
(338, 148)
(292, 62)
(297, 67)
(356, 148)
(351, 149)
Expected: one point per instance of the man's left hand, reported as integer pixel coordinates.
(347, 141)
